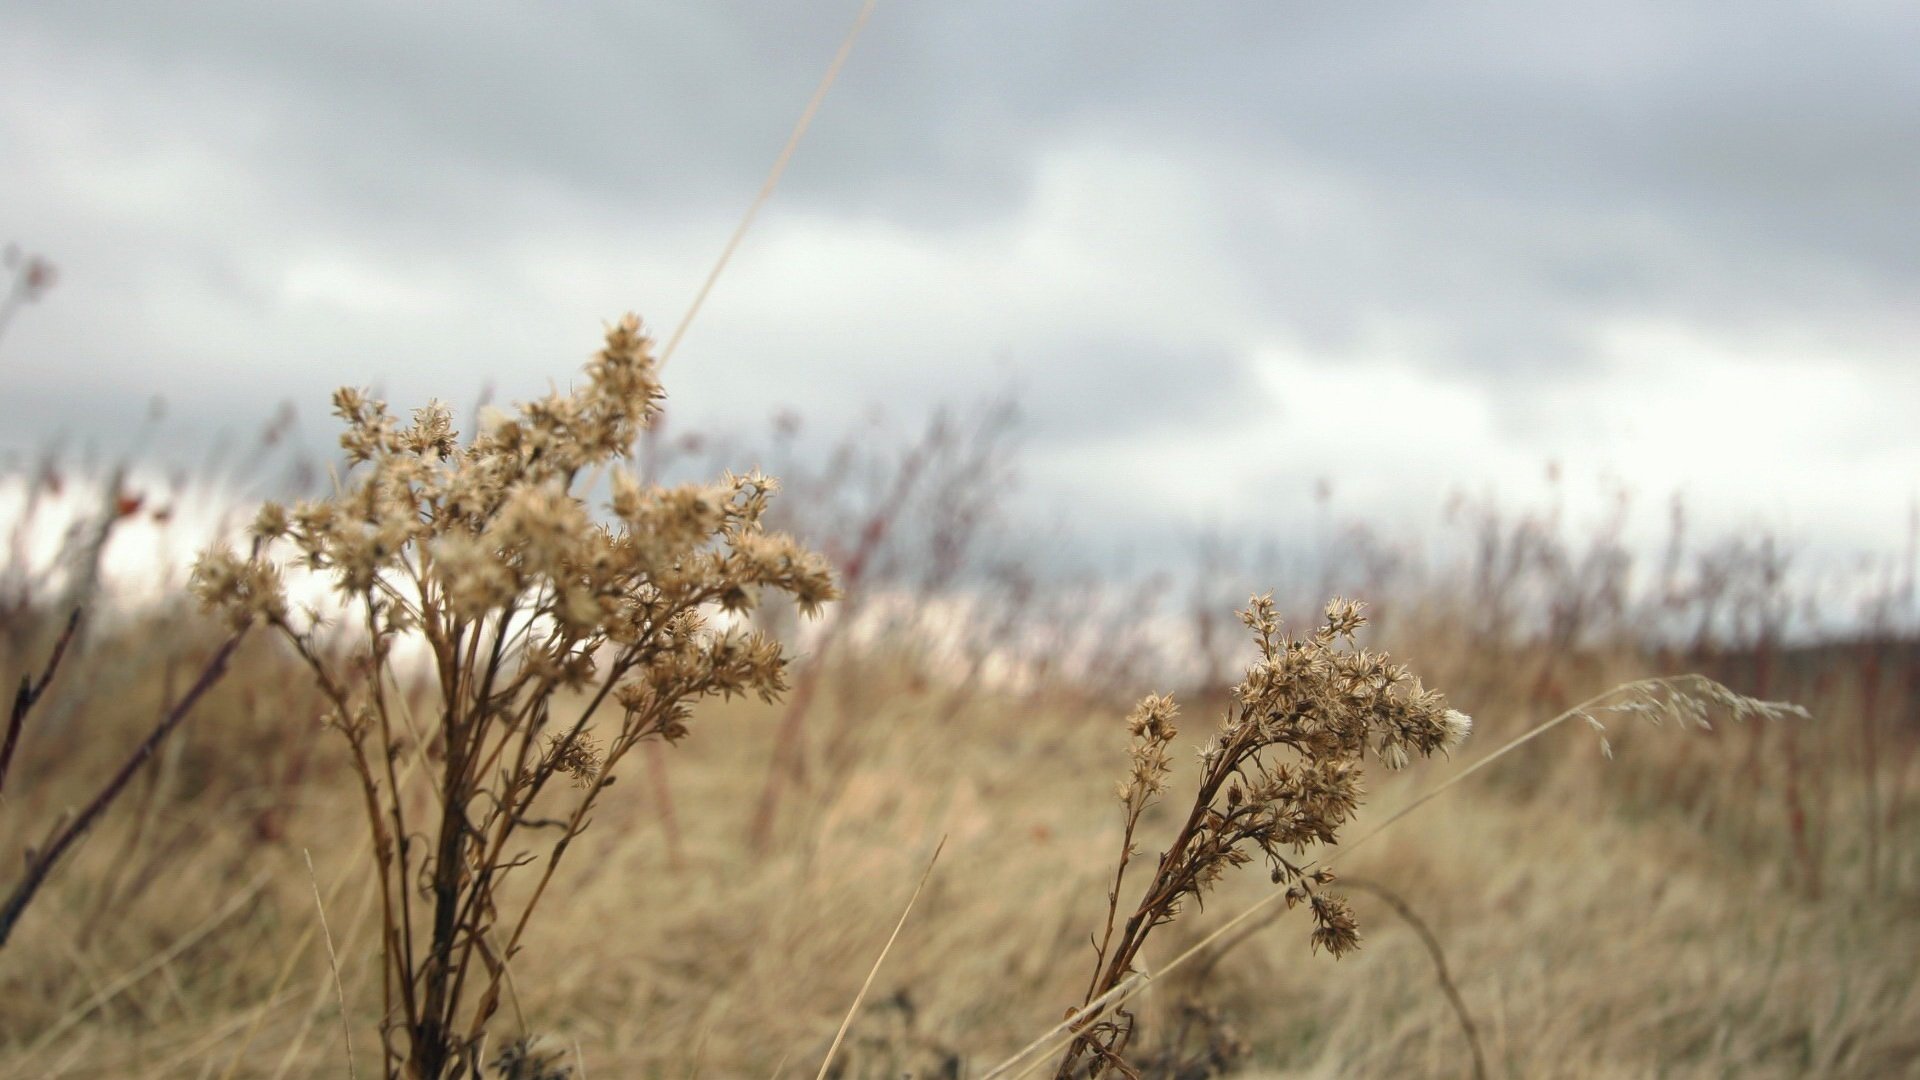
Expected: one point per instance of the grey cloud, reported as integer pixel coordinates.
(1767, 126)
(1097, 390)
(1490, 185)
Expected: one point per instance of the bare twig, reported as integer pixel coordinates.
(40, 861)
(29, 693)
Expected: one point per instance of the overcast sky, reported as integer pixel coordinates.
(1219, 251)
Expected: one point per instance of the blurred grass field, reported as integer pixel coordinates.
(1740, 902)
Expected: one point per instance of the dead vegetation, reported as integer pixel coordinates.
(341, 853)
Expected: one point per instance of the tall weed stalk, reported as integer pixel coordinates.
(557, 642)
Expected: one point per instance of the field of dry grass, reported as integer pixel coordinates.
(1703, 904)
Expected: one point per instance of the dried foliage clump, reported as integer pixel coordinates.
(1282, 774)
(489, 554)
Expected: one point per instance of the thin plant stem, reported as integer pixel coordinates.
(854, 1009)
(1439, 957)
(29, 694)
(333, 963)
(772, 182)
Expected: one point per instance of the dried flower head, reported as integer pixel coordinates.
(489, 553)
(1281, 775)
(1152, 726)
(578, 757)
(246, 590)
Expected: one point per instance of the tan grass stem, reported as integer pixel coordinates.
(333, 962)
(299, 1040)
(846, 1023)
(772, 181)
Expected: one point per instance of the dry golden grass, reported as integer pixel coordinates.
(1625, 918)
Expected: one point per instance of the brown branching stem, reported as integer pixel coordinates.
(29, 694)
(1281, 775)
(43, 858)
(486, 554)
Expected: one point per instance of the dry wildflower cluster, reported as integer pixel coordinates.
(1280, 775)
(489, 554)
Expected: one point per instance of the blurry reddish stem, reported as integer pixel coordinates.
(656, 754)
(1870, 756)
(789, 759)
(33, 275)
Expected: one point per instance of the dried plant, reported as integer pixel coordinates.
(1281, 775)
(1094, 1033)
(489, 555)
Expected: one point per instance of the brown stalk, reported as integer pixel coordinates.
(1176, 876)
(1432, 943)
(41, 860)
(29, 694)
(1672, 690)
(1282, 775)
(487, 552)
